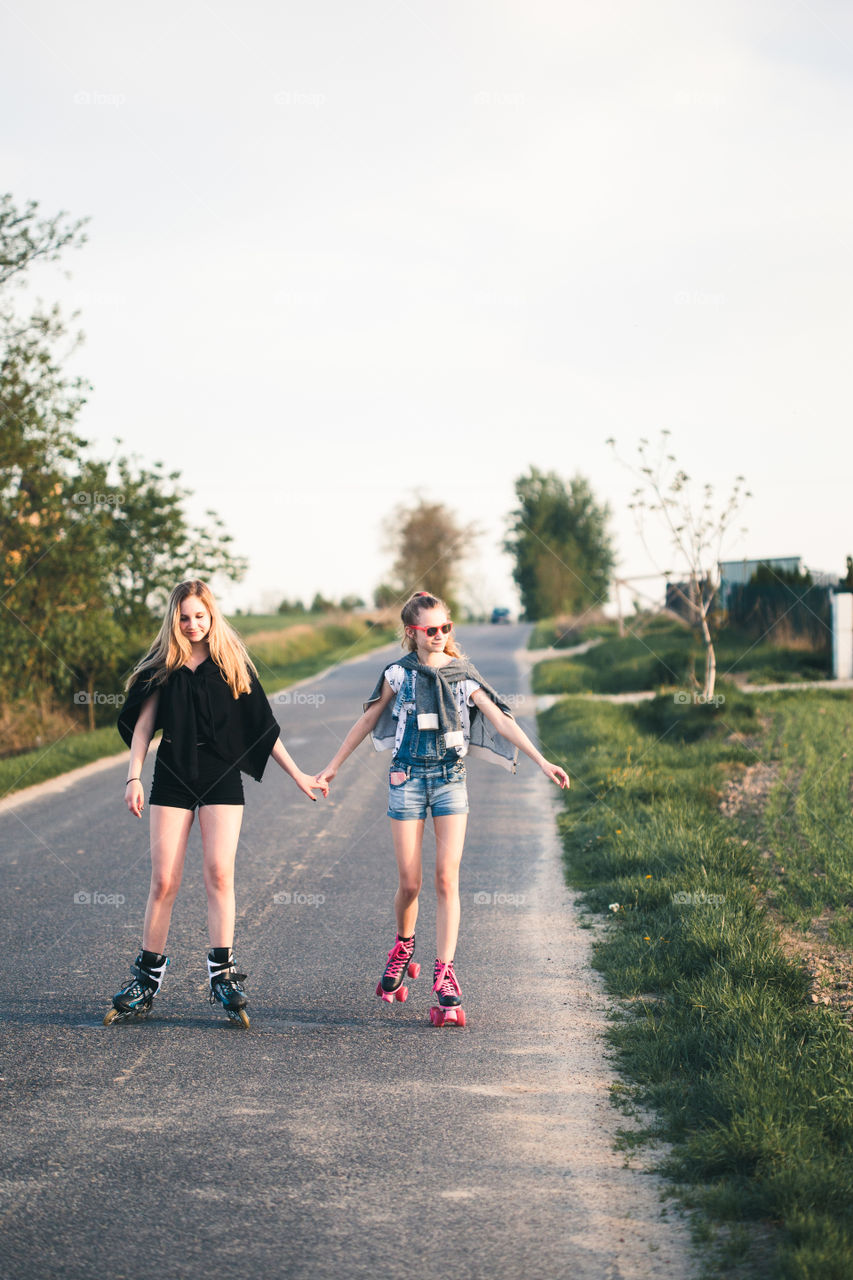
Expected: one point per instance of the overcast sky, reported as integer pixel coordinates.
(343, 254)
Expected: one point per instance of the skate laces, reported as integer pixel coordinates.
(445, 979)
(398, 957)
(227, 981)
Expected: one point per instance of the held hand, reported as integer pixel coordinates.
(326, 775)
(556, 774)
(134, 798)
(309, 785)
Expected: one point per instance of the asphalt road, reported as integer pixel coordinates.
(339, 1136)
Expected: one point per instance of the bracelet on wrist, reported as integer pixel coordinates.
(133, 780)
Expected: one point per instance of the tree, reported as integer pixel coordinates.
(152, 543)
(89, 547)
(430, 546)
(26, 239)
(290, 606)
(320, 604)
(385, 596)
(696, 530)
(559, 540)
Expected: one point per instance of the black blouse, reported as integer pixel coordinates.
(198, 706)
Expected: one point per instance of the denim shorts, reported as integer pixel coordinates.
(440, 787)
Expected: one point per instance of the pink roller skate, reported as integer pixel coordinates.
(449, 1011)
(399, 964)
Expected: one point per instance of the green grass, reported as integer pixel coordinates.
(665, 654)
(752, 1085)
(283, 661)
(279, 662)
(806, 827)
(551, 633)
(247, 624)
(54, 758)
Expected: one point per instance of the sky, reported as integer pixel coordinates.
(346, 255)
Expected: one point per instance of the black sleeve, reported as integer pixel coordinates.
(257, 731)
(139, 691)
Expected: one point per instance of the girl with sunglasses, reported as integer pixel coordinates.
(432, 708)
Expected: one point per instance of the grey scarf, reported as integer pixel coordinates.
(434, 695)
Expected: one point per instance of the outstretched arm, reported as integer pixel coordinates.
(515, 734)
(304, 781)
(362, 727)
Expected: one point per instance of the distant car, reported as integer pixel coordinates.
(501, 615)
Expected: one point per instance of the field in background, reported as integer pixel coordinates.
(663, 653)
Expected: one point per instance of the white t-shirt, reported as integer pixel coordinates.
(395, 675)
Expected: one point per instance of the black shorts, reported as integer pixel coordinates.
(217, 782)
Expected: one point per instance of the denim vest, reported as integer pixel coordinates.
(419, 746)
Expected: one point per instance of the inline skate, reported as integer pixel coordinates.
(225, 985)
(137, 996)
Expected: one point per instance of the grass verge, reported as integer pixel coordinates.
(665, 654)
(750, 1083)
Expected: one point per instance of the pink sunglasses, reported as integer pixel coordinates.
(432, 631)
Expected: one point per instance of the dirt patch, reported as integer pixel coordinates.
(829, 968)
(746, 795)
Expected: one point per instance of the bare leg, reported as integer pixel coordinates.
(170, 829)
(220, 831)
(408, 837)
(449, 839)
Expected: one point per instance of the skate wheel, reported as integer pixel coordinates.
(111, 1016)
(402, 993)
(243, 1017)
(452, 1017)
(414, 970)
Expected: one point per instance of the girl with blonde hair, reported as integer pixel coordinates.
(198, 684)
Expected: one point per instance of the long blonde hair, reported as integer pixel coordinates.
(410, 613)
(171, 649)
